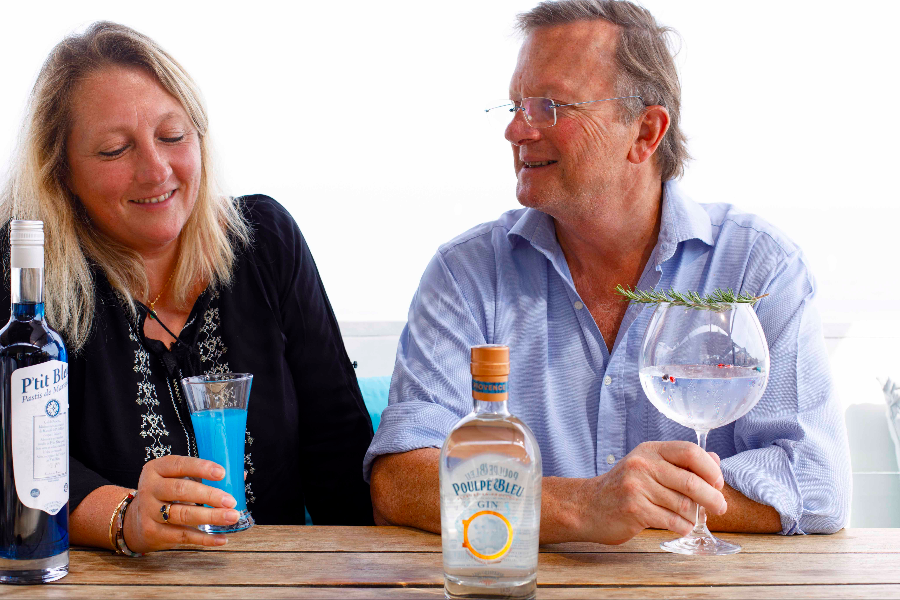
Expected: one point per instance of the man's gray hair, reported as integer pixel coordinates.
(645, 61)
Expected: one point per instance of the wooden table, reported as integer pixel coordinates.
(393, 562)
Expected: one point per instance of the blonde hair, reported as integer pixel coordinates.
(644, 56)
(37, 187)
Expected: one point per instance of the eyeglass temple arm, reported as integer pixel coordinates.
(514, 107)
(592, 101)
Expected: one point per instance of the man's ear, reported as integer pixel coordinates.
(651, 128)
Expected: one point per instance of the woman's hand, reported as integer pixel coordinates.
(163, 482)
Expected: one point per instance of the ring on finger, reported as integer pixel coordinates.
(164, 509)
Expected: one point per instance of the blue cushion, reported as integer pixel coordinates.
(375, 393)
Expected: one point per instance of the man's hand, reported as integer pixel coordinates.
(658, 484)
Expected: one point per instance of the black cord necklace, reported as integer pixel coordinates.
(155, 317)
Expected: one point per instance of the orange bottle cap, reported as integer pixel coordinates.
(490, 360)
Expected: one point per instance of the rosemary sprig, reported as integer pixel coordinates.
(718, 301)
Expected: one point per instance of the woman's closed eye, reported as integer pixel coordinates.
(113, 153)
(167, 139)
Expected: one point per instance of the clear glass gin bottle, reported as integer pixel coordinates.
(490, 477)
(34, 424)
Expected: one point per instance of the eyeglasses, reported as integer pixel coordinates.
(539, 112)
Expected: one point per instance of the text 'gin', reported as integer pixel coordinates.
(490, 492)
(34, 424)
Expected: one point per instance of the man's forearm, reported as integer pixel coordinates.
(744, 515)
(406, 489)
(562, 510)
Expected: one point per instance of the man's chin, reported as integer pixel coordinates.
(531, 198)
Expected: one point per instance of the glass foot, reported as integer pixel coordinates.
(245, 522)
(700, 541)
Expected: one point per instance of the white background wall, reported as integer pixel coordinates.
(364, 119)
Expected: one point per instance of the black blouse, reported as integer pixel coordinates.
(307, 425)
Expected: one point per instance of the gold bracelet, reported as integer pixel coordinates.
(112, 523)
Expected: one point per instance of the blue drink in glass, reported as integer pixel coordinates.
(218, 405)
(220, 438)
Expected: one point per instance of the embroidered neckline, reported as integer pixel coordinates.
(152, 425)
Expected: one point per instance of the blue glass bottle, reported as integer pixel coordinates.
(34, 534)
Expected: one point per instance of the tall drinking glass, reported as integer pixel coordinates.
(218, 405)
(704, 369)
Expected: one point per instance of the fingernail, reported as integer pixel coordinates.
(221, 540)
(218, 472)
(724, 508)
(232, 516)
(228, 501)
(720, 483)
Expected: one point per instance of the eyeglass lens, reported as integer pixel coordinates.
(539, 112)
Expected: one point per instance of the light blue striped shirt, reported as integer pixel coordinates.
(507, 282)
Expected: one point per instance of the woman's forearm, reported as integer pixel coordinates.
(89, 523)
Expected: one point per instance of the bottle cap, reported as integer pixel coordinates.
(490, 360)
(26, 239)
(26, 233)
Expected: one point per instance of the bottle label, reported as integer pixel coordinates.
(487, 387)
(39, 413)
(490, 513)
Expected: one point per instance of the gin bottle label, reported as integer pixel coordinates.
(39, 411)
(489, 502)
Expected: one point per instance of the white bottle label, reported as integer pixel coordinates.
(39, 414)
(490, 514)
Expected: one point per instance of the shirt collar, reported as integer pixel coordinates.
(539, 230)
(682, 220)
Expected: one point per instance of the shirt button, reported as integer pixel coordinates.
(578, 305)
(610, 459)
(606, 381)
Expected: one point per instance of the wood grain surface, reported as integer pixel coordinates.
(344, 593)
(393, 562)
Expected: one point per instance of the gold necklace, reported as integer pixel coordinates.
(158, 296)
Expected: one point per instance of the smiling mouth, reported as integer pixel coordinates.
(155, 200)
(543, 163)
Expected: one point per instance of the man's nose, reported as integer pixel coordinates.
(153, 166)
(519, 132)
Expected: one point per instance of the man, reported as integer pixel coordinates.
(597, 178)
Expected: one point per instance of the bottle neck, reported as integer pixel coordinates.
(27, 293)
(485, 407)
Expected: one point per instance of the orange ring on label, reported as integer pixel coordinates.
(468, 546)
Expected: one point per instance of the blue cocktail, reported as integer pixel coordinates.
(218, 405)
(220, 438)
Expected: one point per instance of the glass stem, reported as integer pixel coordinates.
(700, 520)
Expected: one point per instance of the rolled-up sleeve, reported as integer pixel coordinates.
(792, 451)
(431, 373)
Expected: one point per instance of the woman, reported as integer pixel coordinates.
(153, 275)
